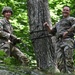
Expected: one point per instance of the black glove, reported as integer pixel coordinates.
(14, 39)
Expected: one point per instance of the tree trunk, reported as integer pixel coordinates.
(38, 13)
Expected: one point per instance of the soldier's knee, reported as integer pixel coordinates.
(20, 56)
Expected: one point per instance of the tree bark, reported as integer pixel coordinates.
(38, 13)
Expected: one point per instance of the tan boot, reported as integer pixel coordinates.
(24, 60)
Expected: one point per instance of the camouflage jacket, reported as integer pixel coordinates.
(63, 25)
(5, 28)
(5, 31)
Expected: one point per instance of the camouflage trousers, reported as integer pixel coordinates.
(64, 55)
(11, 50)
(19, 55)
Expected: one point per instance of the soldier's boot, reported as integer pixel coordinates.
(20, 56)
(24, 60)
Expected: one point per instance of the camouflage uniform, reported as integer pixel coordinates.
(5, 31)
(64, 51)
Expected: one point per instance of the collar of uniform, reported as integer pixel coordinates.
(66, 17)
(6, 21)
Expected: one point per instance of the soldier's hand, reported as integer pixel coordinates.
(47, 26)
(65, 34)
(15, 41)
(18, 40)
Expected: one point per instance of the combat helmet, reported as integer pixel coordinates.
(7, 8)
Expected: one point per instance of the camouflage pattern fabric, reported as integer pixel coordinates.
(64, 54)
(5, 31)
(64, 49)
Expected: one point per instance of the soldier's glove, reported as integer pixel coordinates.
(18, 40)
(14, 39)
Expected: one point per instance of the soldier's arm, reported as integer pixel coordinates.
(49, 29)
(53, 31)
(72, 29)
(3, 34)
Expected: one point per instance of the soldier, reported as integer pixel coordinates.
(64, 31)
(7, 39)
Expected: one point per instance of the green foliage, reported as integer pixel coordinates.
(8, 60)
(19, 21)
(11, 61)
(2, 55)
(56, 8)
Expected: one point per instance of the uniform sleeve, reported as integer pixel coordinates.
(3, 34)
(53, 32)
(73, 25)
